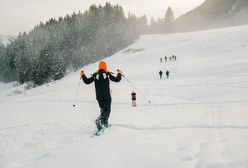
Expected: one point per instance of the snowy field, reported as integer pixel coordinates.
(198, 118)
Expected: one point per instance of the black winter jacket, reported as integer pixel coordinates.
(101, 79)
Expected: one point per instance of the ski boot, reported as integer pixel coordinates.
(99, 124)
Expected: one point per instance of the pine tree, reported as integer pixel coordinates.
(2, 66)
(169, 16)
(48, 50)
(169, 20)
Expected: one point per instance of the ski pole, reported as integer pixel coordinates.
(136, 89)
(75, 99)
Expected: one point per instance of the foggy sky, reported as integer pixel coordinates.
(22, 15)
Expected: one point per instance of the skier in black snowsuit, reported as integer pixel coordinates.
(102, 79)
(160, 74)
(167, 74)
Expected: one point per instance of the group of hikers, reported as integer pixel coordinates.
(161, 74)
(167, 73)
(101, 79)
(172, 58)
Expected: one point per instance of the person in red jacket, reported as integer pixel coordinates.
(102, 78)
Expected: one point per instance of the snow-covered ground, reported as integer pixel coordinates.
(198, 118)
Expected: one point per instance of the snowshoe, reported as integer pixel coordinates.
(101, 131)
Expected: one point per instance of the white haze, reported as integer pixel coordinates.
(18, 16)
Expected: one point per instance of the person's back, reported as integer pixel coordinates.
(101, 79)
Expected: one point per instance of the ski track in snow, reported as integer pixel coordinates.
(196, 119)
(144, 128)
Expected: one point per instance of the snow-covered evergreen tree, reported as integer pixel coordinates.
(47, 51)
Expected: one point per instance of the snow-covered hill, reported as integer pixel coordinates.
(213, 14)
(196, 119)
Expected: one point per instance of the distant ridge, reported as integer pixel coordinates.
(214, 14)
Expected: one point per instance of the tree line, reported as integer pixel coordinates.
(65, 44)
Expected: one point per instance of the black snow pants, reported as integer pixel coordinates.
(105, 109)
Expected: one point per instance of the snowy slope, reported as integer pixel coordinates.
(196, 119)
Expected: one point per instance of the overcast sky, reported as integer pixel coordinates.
(22, 15)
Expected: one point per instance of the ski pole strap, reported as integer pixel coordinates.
(75, 99)
(136, 89)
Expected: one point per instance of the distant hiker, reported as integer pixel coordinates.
(170, 58)
(167, 74)
(102, 78)
(160, 74)
(133, 99)
(161, 60)
(165, 59)
(174, 57)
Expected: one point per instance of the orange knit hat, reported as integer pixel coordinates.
(103, 65)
